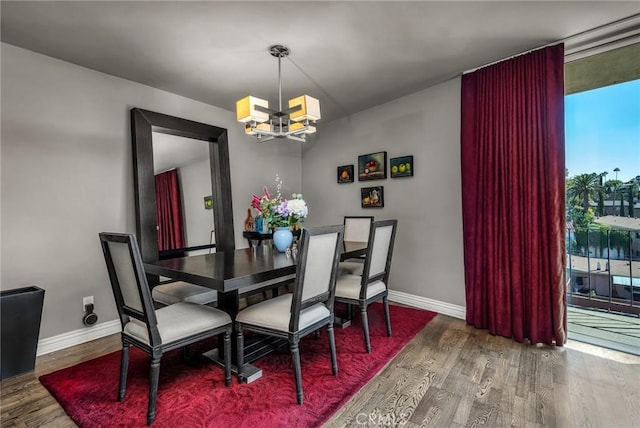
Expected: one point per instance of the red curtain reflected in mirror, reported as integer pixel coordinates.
(169, 211)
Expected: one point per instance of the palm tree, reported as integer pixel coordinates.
(581, 187)
(601, 211)
(633, 188)
(616, 170)
(612, 187)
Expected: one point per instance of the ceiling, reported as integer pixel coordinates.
(172, 151)
(351, 55)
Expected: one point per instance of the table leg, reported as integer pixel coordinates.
(255, 346)
(344, 322)
(229, 302)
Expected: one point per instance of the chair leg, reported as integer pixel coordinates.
(332, 346)
(387, 318)
(365, 327)
(227, 357)
(153, 388)
(124, 368)
(240, 353)
(186, 353)
(297, 372)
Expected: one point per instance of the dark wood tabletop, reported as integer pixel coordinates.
(232, 270)
(228, 270)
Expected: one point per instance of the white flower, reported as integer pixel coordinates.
(298, 207)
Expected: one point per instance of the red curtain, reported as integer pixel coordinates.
(169, 211)
(513, 197)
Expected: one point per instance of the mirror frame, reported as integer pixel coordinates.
(143, 123)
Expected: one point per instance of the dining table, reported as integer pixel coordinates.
(236, 273)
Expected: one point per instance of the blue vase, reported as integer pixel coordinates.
(282, 238)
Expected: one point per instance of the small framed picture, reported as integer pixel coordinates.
(345, 174)
(401, 167)
(208, 202)
(372, 166)
(372, 197)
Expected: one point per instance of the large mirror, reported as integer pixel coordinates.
(155, 138)
(184, 205)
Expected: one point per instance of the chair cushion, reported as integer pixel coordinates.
(178, 321)
(275, 314)
(351, 267)
(179, 291)
(348, 287)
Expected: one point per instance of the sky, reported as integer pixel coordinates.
(602, 131)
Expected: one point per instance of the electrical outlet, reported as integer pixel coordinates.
(87, 301)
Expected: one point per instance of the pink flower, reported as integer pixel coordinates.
(255, 202)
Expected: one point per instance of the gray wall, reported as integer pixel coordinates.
(428, 256)
(195, 184)
(67, 174)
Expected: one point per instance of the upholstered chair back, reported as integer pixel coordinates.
(123, 266)
(380, 249)
(381, 244)
(357, 228)
(128, 281)
(317, 269)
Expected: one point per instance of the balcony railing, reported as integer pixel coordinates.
(603, 267)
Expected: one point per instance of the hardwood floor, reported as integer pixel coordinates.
(453, 375)
(449, 375)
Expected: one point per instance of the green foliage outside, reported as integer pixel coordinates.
(581, 191)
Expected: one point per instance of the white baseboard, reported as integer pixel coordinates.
(428, 304)
(76, 337)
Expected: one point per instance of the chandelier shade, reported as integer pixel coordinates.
(250, 129)
(300, 127)
(294, 123)
(309, 108)
(246, 110)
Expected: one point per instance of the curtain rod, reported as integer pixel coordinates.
(620, 33)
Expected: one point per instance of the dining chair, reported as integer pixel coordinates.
(356, 228)
(173, 292)
(294, 315)
(154, 331)
(372, 285)
(168, 293)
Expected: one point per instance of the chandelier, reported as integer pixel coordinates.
(293, 123)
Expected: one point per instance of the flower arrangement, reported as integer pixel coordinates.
(278, 211)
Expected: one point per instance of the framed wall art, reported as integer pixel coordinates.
(401, 166)
(372, 197)
(345, 174)
(208, 202)
(372, 166)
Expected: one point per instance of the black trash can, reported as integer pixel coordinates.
(20, 314)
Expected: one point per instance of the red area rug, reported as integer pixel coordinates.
(193, 393)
